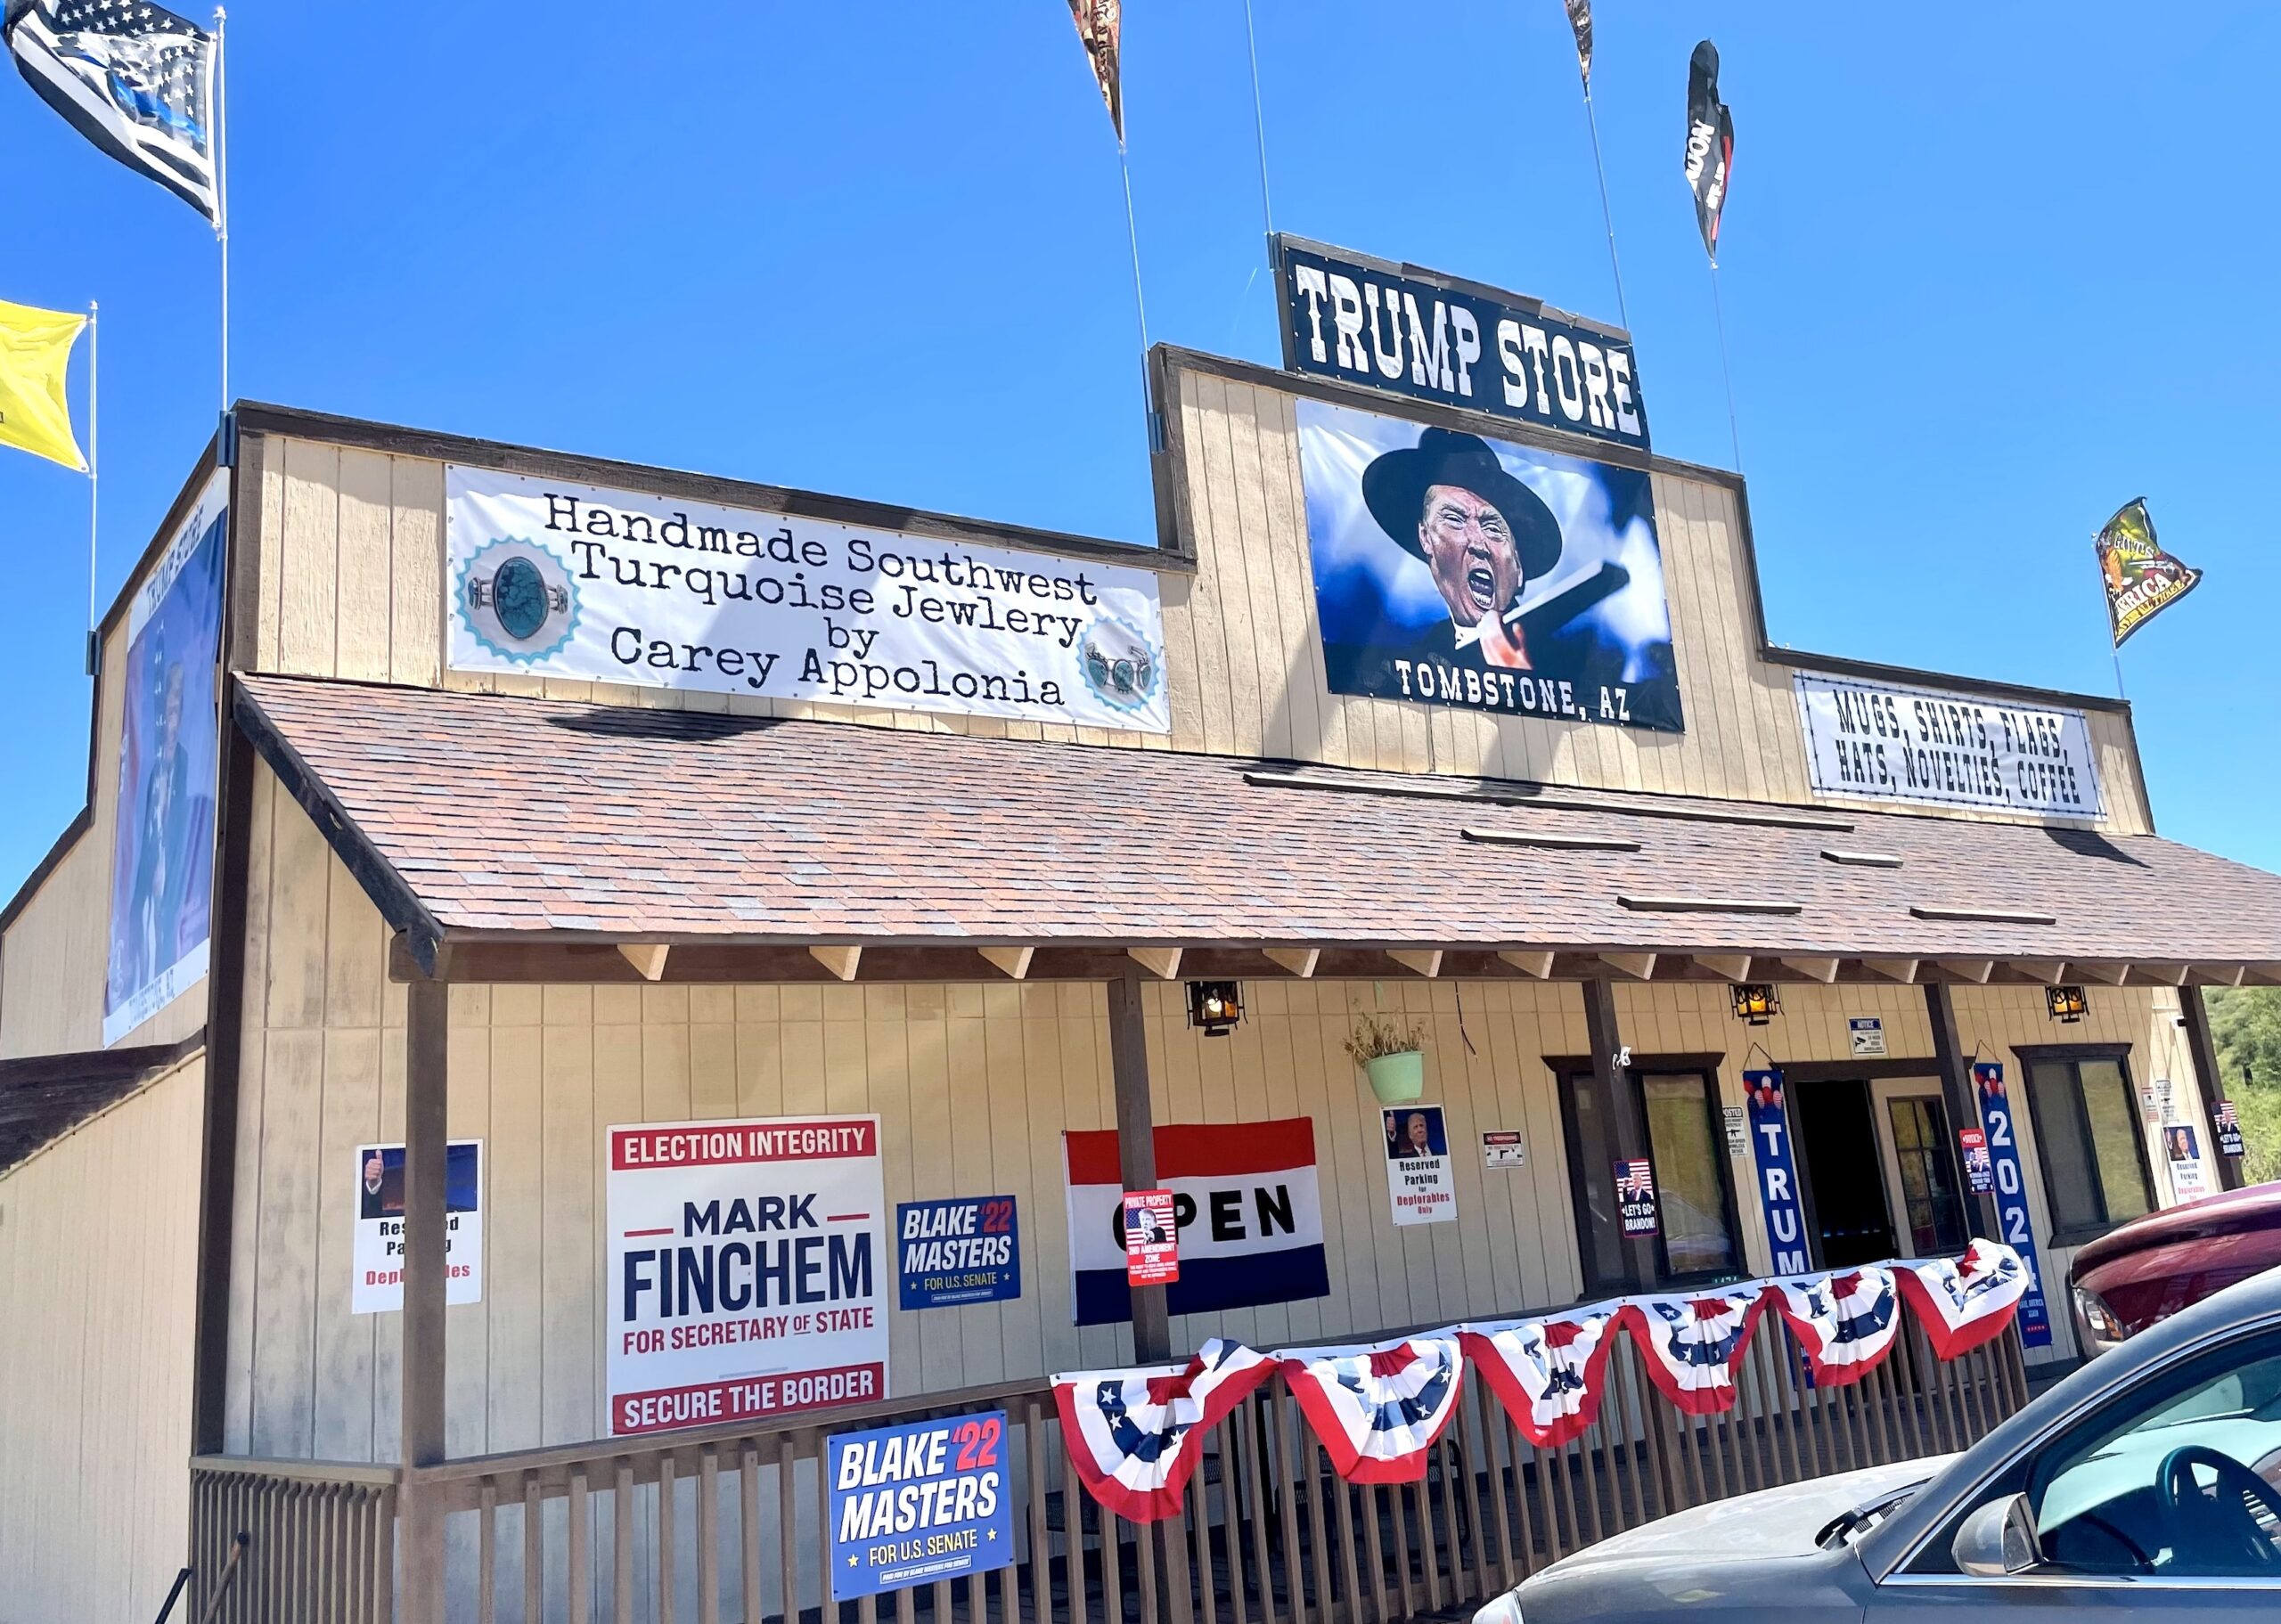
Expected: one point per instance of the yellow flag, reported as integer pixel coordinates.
(35, 412)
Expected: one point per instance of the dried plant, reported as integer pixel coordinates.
(1375, 1037)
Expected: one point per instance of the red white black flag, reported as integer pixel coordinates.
(1709, 143)
(1100, 26)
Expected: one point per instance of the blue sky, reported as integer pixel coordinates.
(1990, 273)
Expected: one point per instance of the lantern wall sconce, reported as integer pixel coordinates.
(2067, 1004)
(1215, 1006)
(1756, 1002)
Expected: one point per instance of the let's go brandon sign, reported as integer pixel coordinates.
(744, 1270)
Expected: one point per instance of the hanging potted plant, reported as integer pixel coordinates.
(1391, 1056)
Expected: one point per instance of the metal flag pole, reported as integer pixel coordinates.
(2118, 669)
(1726, 369)
(221, 196)
(94, 460)
(1259, 134)
(1607, 216)
(1140, 308)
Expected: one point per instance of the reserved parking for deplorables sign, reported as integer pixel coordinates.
(748, 1269)
(553, 578)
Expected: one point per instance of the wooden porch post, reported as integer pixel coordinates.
(2197, 1022)
(1961, 1096)
(1136, 1146)
(1620, 1108)
(426, 1096)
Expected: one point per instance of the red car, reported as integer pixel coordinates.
(2148, 1269)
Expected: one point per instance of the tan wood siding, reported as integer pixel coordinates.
(98, 1244)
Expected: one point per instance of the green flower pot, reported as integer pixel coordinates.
(1397, 1079)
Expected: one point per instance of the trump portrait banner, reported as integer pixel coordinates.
(1246, 1203)
(376, 1254)
(1135, 1436)
(918, 1503)
(547, 577)
(746, 1269)
(1454, 570)
(162, 836)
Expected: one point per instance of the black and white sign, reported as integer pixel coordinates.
(1876, 741)
(1503, 1147)
(1432, 337)
(1866, 1033)
(551, 578)
(1421, 1184)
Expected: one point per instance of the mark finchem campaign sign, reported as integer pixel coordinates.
(1432, 337)
(746, 1269)
(552, 578)
(1874, 741)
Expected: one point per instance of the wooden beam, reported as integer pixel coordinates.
(1619, 1108)
(1640, 967)
(1014, 961)
(2195, 1016)
(1969, 969)
(647, 958)
(841, 961)
(1539, 965)
(1161, 962)
(427, 1097)
(2263, 973)
(1428, 965)
(1725, 967)
(1892, 969)
(1300, 962)
(1136, 1146)
(2109, 974)
(2049, 972)
(1819, 969)
(1957, 1090)
(2216, 975)
(2161, 974)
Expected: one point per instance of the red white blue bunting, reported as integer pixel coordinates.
(1965, 1301)
(1694, 1343)
(1378, 1409)
(1135, 1436)
(1549, 1372)
(1845, 1321)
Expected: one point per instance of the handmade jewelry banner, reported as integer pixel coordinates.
(1135, 1436)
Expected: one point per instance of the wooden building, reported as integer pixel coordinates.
(452, 902)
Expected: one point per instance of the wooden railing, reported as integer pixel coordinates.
(321, 1541)
(707, 1527)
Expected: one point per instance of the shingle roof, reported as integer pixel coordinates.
(514, 814)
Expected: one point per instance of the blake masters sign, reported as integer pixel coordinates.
(1435, 339)
(1873, 741)
(552, 578)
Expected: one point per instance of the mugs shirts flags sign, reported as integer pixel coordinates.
(162, 835)
(1778, 1177)
(134, 80)
(1885, 741)
(1709, 143)
(919, 1503)
(1101, 29)
(1135, 1436)
(2141, 579)
(1996, 1117)
(966, 1249)
(1245, 1200)
(34, 395)
(553, 578)
(377, 1255)
(745, 1259)
(1151, 1238)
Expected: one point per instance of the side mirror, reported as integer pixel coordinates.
(1997, 1539)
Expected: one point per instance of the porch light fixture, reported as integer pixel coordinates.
(1755, 1001)
(2067, 1004)
(1215, 1006)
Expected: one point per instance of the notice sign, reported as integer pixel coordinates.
(744, 1269)
(1868, 1033)
(1635, 1197)
(378, 1253)
(1876, 741)
(1503, 1147)
(1737, 1126)
(919, 1503)
(1420, 1182)
(1979, 1172)
(963, 1250)
(1151, 1238)
(552, 578)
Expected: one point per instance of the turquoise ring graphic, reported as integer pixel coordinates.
(517, 599)
(1122, 667)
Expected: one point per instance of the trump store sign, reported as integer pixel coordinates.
(746, 1261)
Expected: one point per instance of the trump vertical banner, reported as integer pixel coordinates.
(744, 1270)
(162, 832)
(2011, 1198)
(1777, 1177)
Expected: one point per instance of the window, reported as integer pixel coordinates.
(2087, 1138)
(1928, 1185)
(1694, 1189)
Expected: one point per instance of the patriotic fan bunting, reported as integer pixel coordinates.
(1378, 1409)
(1135, 1436)
(1694, 1342)
(1965, 1301)
(1548, 1373)
(1844, 1321)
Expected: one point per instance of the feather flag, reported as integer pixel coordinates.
(1709, 143)
(1101, 29)
(1965, 1301)
(1579, 19)
(1693, 1343)
(35, 402)
(2141, 579)
(1845, 1321)
(134, 80)
(1549, 1373)
(1378, 1409)
(1135, 1436)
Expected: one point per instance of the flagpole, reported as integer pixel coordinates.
(222, 195)
(2118, 673)
(1607, 216)
(1726, 368)
(94, 460)
(1259, 133)
(1140, 308)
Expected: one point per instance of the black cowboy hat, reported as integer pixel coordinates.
(1394, 487)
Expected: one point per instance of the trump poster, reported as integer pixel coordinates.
(747, 1269)
(1450, 569)
(377, 1256)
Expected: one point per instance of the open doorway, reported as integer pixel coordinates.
(1844, 1172)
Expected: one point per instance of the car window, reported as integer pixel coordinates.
(2178, 1477)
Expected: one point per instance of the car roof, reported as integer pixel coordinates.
(2233, 1212)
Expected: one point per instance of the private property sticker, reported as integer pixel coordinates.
(747, 1269)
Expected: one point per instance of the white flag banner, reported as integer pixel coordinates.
(134, 80)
